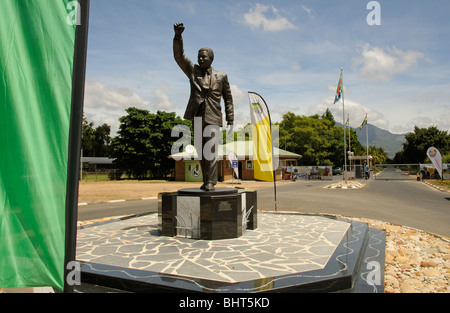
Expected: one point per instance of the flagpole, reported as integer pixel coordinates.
(349, 133)
(343, 122)
(367, 141)
(349, 144)
(274, 169)
(76, 119)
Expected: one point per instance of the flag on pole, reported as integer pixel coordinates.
(232, 157)
(339, 90)
(363, 123)
(261, 138)
(38, 54)
(435, 157)
(347, 122)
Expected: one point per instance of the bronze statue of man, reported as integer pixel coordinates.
(208, 86)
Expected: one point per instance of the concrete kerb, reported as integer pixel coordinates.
(435, 187)
(116, 201)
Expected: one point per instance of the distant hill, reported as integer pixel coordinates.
(378, 137)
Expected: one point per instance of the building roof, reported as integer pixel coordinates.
(242, 149)
(97, 160)
(359, 157)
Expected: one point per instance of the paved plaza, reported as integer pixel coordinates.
(282, 244)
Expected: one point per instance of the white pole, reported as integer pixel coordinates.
(349, 144)
(343, 122)
(367, 141)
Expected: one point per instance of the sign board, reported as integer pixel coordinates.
(234, 163)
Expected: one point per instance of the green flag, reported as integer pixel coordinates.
(37, 45)
(364, 122)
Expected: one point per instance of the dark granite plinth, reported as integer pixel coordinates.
(251, 204)
(208, 215)
(166, 206)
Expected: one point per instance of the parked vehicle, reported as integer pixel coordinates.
(337, 171)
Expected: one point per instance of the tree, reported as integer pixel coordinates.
(102, 140)
(144, 143)
(95, 141)
(161, 126)
(306, 136)
(379, 155)
(316, 138)
(417, 143)
(329, 116)
(87, 137)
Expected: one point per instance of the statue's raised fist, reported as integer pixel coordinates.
(178, 28)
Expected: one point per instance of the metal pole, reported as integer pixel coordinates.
(76, 119)
(343, 122)
(367, 141)
(349, 143)
(81, 166)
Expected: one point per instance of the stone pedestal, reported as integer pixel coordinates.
(194, 213)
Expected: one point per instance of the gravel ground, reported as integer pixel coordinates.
(416, 261)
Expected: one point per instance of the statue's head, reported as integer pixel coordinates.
(205, 57)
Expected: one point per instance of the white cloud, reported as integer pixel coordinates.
(442, 122)
(241, 106)
(376, 64)
(267, 18)
(106, 104)
(355, 110)
(187, 6)
(308, 11)
(98, 95)
(161, 98)
(239, 96)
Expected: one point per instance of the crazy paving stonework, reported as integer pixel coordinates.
(282, 244)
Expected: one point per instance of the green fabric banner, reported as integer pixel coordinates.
(36, 63)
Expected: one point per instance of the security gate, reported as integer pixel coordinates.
(396, 171)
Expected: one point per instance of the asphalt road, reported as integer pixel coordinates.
(402, 202)
(398, 201)
(101, 210)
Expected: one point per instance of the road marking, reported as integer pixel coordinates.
(116, 201)
(340, 186)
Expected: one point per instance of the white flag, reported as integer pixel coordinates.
(436, 158)
(232, 157)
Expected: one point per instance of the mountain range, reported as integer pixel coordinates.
(391, 143)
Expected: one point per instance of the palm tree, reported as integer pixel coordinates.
(379, 155)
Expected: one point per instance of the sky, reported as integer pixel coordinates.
(291, 52)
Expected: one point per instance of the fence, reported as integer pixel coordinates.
(101, 175)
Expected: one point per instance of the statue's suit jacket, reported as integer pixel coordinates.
(219, 87)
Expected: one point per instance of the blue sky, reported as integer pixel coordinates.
(290, 52)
